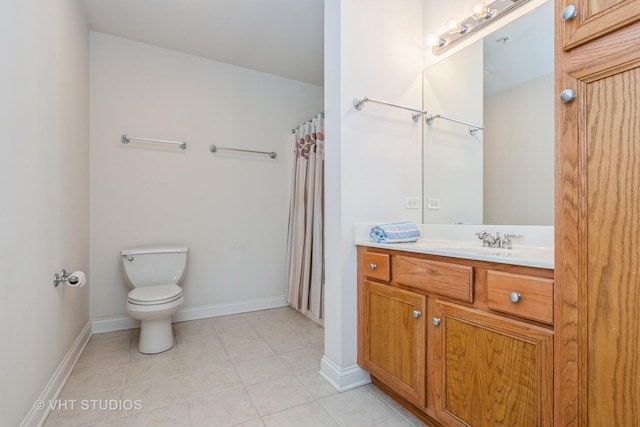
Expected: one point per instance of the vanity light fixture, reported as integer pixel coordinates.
(454, 26)
(434, 40)
(482, 15)
(480, 11)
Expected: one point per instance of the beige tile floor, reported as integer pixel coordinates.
(254, 369)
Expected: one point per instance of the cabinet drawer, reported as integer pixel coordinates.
(376, 266)
(525, 296)
(442, 278)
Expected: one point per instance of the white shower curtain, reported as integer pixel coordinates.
(305, 244)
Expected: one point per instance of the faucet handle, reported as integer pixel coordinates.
(486, 238)
(482, 234)
(506, 240)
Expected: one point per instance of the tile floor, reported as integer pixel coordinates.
(254, 369)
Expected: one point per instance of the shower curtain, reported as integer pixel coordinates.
(305, 244)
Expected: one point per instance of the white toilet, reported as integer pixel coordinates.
(153, 273)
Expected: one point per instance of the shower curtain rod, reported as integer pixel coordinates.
(359, 104)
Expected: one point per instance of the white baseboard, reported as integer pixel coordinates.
(343, 379)
(115, 323)
(37, 418)
(118, 323)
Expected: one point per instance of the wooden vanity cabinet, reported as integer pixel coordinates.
(490, 370)
(444, 338)
(595, 18)
(392, 344)
(597, 215)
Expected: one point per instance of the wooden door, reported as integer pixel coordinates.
(596, 18)
(392, 339)
(597, 267)
(490, 370)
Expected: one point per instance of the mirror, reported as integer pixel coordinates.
(503, 174)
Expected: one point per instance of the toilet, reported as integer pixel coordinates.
(153, 274)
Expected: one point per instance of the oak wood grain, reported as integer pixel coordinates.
(596, 18)
(394, 340)
(494, 371)
(536, 295)
(613, 246)
(441, 278)
(389, 302)
(376, 266)
(592, 289)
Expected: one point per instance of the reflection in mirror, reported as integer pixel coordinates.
(504, 174)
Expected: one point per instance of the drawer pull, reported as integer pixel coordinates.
(372, 266)
(514, 297)
(436, 321)
(416, 314)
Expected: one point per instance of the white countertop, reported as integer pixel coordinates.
(534, 250)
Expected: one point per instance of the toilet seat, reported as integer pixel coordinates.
(154, 295)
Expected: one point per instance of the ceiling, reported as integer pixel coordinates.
(281, 37)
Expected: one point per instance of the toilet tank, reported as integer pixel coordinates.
(154, 265)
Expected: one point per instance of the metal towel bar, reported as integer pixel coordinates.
(271, 154)
(417, 113)
(472, 128)
(359, 104)
(126, 139)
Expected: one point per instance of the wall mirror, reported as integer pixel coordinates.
(503, 174)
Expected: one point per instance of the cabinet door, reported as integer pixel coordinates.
(392, 338)
(596, 18)
(598, 234)
(490, 370)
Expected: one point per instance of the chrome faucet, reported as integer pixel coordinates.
(490, 241)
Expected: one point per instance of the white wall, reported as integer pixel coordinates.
(374, 49)
(231, 210)
(519, 151)
(44, 213)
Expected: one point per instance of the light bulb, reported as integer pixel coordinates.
(434, 40)
(480, 11)
(452, 25)
(477, 8)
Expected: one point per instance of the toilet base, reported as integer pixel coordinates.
(156, 336)
(156, 332)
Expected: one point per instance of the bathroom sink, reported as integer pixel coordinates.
(459, 241)
(523, 255)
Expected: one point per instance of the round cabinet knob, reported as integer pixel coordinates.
(416, 314)
(514, 297)
(570, 12)
(436, 321)
(567, 95)
(372, 266)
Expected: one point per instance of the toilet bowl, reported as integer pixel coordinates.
(154, 274)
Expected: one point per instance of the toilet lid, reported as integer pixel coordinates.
(149, 295)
